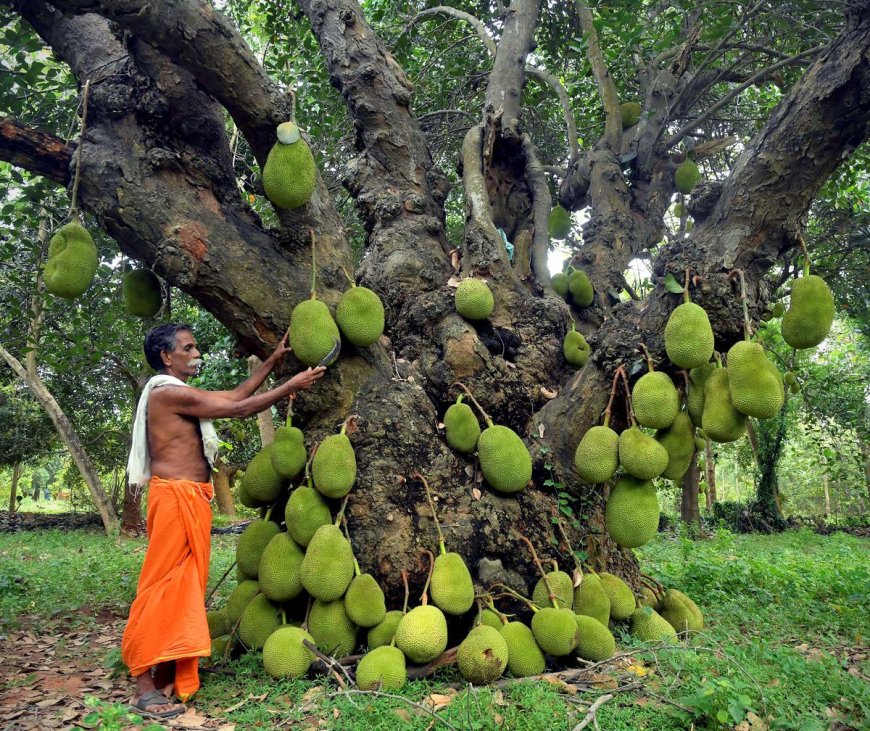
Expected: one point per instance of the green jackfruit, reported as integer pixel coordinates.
(260, 480)
(364, 601)
(575, 348)
(422, 634)
(306, 511)
(632, 512)
(142, 293)
(334, 466)
(259, 620)
(580, 288)
(695, 396)
(648, 598)
(655, 400)
(648, 625)
(290, 173)
(559, 225)
(482, 656)
(327, 568)
(473, 299)
(622, 601)
(331, 628)
(219, 649)
(789, 378)
(490, 619)
(563, 587)
(686, 176)
(239, 599)
(754, 382)
(680, 210)
(284, 655)
(640, 455)
(591, 599)
(252, 543)
(681, 612)
(689, 336)
(559, 283)
(810, 313)
(360, 316)
(630, 113)
(382, 669)
(452, 588)
(461, 427)
(288, 454)
(555, 630)
(778, 310)
(504, 460)
(721, 421)
(243, 495)
(218, 624)
(279, 569)
(313, 332)
(524, 656)
(679, 441)
(72, 262)
(597, 455)
(596, 641)
(383, 632)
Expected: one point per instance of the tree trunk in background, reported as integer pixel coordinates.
(264, 418)
(827, 497)
(689, 511)
(13, 491)
(35, 494)
(132, 522)
(767, 506)
(223, 493)
(710, 468)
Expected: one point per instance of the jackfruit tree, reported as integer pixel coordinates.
(183, 110)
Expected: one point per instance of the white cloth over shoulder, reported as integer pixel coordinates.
(139, 462)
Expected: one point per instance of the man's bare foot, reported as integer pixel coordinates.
(149, 701)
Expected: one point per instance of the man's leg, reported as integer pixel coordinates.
(145, 684)
(164, 677)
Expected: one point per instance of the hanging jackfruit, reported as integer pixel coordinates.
(559, 225)
(141, 292)
(720, 420)
(504, 460)
(630, 114)
(260, 481)
(575, 348)
(313, 332)
(580, 288)
(288, 454)
(754, 382)
(461, 427)
(305, 512)
(591, 599)
(290, 174)
(689, 336)
(559, 283)
(655, 400)
(686, 176)
(252, 543)
(72, 261)
(334, 466)
(695, 396)
(810, 313)
(679, 441)
(597, 455)
(360, 316)
(327, 568)
(473, 299)
(279, 569)
(640, 455)
(632, 512)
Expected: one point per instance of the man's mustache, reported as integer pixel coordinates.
(195, 362)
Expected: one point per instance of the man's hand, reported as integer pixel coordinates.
(307, 378)
(281, 350)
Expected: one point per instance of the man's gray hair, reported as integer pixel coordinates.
(162, 338)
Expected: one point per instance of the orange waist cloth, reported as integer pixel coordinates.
(167, 619)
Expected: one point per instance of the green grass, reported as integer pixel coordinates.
(786, 614)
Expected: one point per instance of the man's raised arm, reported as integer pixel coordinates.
(255, 380)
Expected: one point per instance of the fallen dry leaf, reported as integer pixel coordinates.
(547, 393)
(189, 719)
(476, 493)
(441, 700)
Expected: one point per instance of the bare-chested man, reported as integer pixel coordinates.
(167, 631)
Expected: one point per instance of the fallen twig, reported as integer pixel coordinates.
(593, 709)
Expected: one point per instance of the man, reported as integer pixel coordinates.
(174, 445)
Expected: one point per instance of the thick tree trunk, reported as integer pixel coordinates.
(13, 490)
(689, 511)
(767, 506)
(827, 490)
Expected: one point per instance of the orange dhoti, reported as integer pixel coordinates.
(167, 619)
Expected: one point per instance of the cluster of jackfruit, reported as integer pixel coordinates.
(574, 287)
(290, 173)
(72, 261)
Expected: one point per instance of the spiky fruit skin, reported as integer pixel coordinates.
(559, 283)
(504, 460)
(260, 480)
(754, 382)
(640, 455)
(482, 656)
(279, 569)
(383, 632)
(597, 456)
(695, 396)
(596, 641)
(239, 599)
(72, 262)
(452, 588)
(252, 543)
(259, 620)
(686, 176)
(313, 332)
(334, 466)
(284, 655)
(305, 512)
(559, 225)
(327, 568)
(288, 454)
(789, 378)
(575, 349)
(490, 619)
(563, 587)
(580, 288)
(648, 598)
(422, 634)
(655, 400)
(141, 292)
(632, 512)
(810, 313)
(364, 601)
(649, 626)
(591, 599)
(382, 669)
(630, 114)
(290, 174)
(721, 421)
(218, 624)
(622, 602)
(473, 299)
(331, 628)
(681, 612)
(461, 428)
(555, 631)
(360, 316)
(778, 310)
(689, 336)
(524, 656)
(219, 649)
(679, 441)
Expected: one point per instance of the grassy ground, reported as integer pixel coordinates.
(785, 646)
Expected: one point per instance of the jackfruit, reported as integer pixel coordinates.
(721, 421)
(482, 656)
(591, 599)
(452, 588)
(559, 282)
(789, 378)
(655, 400)
(580, 288)
(243, 495)
(555, 630)
(778, 310)
(364, 601)
(422, 634)
(686, 176)
(680, 210)
(795, 387)
(383, 632)
(284, 655)
(382, 669)
(754, 382)
(563, 587)
(334, 466)
(695, 396)
(290, 174)
(622, 601)
(141, 292)
(504, 460)
(648, 625)
(239, 599)
(260, 481)
(632, 512)
(252, 543)
(259, 620)
(630, 113)
(218, 624)
(490, 619)
(313, 332)
(648, 598)
(288, 454)
(596, 641)
(640, 455)
(700, 444)
(473, 299)
(219, 649)
(524, 656)
(679, 441)
(331, 628)
(279, 569)
(575, 348)
(559, 225)
(360, 316)
(327, 568)
(72, 262)
(597, 456)
(306, 511)
(681, 612)
(689, 336)
(810, 313)
(461, 427)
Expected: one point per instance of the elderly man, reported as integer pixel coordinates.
(173, 450)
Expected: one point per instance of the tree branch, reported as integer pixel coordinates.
(474, 22)
(541, 204)
(34, 151)
(557, 86)
(606, 87)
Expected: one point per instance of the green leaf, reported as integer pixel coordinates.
(672, 285)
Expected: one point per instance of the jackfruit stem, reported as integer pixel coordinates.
(491, 606)
(806, 253)
(553, 597)
(718, 358)
(340, 516)
(313, 265)
(649, 360)
(686, 297)
(434, 512)
(268, 512)
(613, 385)
(307, 474)
(685, 374)
(288, 422)
(307, 613)
(631, 418)
(74, 196)
(424, 597)
(747, 323)
(283, 616)
(567, 540)
(356, 571)
(407, 591)
(516, 595)
(483, 414)
(348, 277)
(220, 581)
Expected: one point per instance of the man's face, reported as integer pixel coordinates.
(184, 360)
